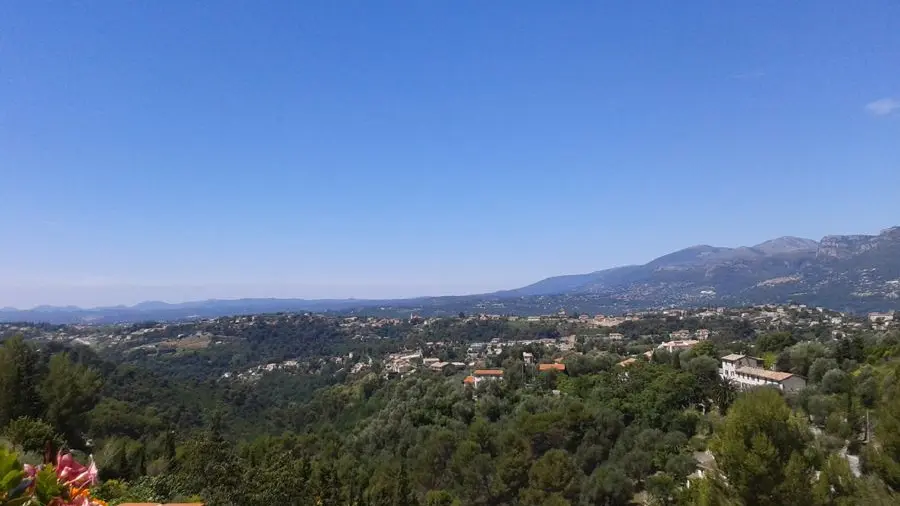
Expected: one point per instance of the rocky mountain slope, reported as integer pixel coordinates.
(853, 272)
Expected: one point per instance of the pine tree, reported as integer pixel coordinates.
(760, 450)
(404, 495)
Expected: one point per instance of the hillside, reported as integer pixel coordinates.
(461, 411)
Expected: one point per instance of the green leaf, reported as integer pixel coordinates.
(46, 487)
(17, 502)
(11, 480)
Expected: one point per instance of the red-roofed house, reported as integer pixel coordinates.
(552, 367)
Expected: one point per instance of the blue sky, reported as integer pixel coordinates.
(176, 150)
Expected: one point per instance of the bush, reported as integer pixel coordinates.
(32, 434)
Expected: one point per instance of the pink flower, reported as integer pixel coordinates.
(70, 472)
(30, 470)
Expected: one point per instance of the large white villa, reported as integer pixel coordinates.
(745, 372)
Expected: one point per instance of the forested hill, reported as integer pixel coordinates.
(314, 410)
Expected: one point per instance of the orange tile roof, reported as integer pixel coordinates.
(551, 367)
(470, 380)
(488, 372)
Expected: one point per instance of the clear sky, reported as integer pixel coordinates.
(175, 149)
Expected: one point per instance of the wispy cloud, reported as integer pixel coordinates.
(756, 74)
(883, 107)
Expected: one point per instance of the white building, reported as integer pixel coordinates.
(745, 372)
(884, 317)
(680, 335)
(671, 346)
(438, 366)
(412, 357)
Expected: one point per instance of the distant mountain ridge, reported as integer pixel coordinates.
(845, 272)
(839, 271)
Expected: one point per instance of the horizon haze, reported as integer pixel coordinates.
(110, 296)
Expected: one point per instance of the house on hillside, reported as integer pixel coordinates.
(680, 335)
(552, 367)
(439, 366)
(679, 345)
(731, 362)
(490, 374)
(480, 375)
(745, 372)
(881, 317)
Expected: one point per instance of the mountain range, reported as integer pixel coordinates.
(854, 273)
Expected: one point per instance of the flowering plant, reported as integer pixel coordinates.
(65, 483)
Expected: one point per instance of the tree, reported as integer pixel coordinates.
(760, 450)
(404, 495)
(607, 486)
(884, 458)
(662, 487)
(440, 498)
(710, 490)
(723, 394)
(704, 367)
(208, 466)
(867, 387)
(774, 342)
(69, 391)
(32, 435)
(19, 372)
(835, 382)
(820, 407)
(512, 468)
(802, 356)
(836, 485)
(705, 348)
(112, 417)
(554, 473)
(819, 367)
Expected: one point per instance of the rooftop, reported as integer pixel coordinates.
(488, 372)
(551, 367)
(765, 373)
